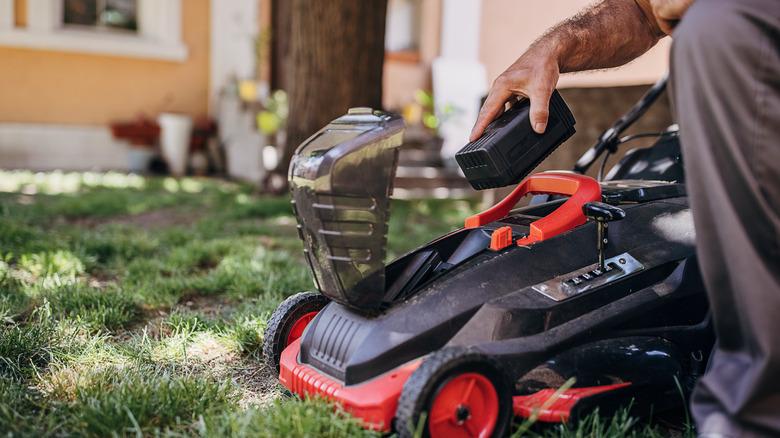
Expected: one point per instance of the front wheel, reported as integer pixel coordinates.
(288, 322)
(455, 393)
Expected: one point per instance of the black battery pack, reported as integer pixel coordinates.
(509, 149)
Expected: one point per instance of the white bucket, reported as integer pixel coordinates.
(175, 135)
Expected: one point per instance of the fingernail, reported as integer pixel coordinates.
(539, 127)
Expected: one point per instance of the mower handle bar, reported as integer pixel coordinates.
(610, 138)
(581, 189)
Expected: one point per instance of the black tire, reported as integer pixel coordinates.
(433, 374)
(282, 320)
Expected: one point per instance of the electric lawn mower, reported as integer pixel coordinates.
(595, 281)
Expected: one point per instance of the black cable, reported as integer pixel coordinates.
(609, 138)
(645, 135)
(607, 153)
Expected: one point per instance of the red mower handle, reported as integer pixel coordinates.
(580, 188)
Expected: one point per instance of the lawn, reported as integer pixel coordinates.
(136, 306)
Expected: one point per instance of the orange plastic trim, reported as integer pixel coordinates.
(374, 401)
(559, 410)
(298, 327)
(580, 188)
(501, 238)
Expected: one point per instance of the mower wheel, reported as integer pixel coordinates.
(462, 394)
(288, 322)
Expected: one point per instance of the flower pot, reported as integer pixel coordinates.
(176, 132)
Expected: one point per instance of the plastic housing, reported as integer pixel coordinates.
(341, 181)
(509, 149)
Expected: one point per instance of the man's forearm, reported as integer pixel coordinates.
(608, 34)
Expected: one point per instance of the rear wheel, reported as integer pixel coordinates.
(455, 393)
(288, 322)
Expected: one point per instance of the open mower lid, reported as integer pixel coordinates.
(341, 181)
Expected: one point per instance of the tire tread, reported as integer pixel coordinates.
(286, 313)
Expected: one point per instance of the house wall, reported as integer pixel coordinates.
(51, 87)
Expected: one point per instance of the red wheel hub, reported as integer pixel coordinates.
(298, 327)
(466, 406)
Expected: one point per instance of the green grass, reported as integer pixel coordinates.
(287, 418)
(134, 306)
(146, 400)
(27, 348)
(108, 309)
(594, 426)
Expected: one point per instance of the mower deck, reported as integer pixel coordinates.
(375, 401)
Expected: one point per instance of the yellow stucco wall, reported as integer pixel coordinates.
(69, 88)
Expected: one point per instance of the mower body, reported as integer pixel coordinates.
(540, 308)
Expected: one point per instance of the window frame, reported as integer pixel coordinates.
(407, 55)
(158, 36)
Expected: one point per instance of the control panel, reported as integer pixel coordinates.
(590, 277)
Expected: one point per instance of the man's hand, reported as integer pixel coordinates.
(533, 75)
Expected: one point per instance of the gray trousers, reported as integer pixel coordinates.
(726, 93)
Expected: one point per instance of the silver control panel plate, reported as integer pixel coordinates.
(587, 278)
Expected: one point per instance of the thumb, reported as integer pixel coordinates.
(540, 108)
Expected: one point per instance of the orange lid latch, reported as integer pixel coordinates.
(501, 238)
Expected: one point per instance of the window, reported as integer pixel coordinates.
(129, 28)
(402, 37)
(101, 14)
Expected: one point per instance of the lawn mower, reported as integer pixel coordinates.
(593, 282)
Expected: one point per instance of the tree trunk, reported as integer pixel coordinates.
(336, 58)
(281, 19)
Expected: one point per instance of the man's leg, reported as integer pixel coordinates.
(726, 83)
